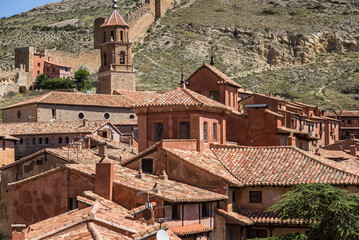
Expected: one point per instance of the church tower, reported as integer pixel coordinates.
(116, 71)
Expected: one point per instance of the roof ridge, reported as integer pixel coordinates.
(188, 91)
(316, 159)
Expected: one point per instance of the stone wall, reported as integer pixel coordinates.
(11, 79)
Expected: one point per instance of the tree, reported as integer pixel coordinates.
(335, 212)
(82, 79)
(40, 80)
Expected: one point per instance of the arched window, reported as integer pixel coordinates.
(121, 36)
(67, 140)
(18, 114)
(122, 58)
(104, 59)
(47, 140)
(34, 141)
(112, 36)
(40, 140)
(60, 139)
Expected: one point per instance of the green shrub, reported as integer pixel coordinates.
(290, 236)
(268, 12)
(44, 82)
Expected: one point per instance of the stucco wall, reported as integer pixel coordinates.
(7, 152)
(28, 113)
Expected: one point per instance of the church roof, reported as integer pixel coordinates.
(115, 19)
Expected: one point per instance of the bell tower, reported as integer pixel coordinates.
(116, 71)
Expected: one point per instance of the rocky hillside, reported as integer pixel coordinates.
(303, 50)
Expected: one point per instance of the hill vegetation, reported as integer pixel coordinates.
(301, 50)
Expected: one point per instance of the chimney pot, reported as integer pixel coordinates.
(352, 136)
(353, 150)
(163, 176)
(139, 174)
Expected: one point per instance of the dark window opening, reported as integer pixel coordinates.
(184, 130)
(255, 196)
(39, 162)
(46, 140)
(147, 165)
(234, 100)
(38, 72)
(229, 99)
(205, 209)
(106, 115)
(215, 132)
(81, 115)
(18, 114)
(34, 141)
(132, 116)
(104, 36)
(122, 58)
(38, 64)
(349, 121)
(257, 233)
(214, 95)
(72, 203)
(233, 196)
(67, 140)
(158, 131)
(104, 59)
(112, 36)
(3, 145)
(121, 36)
(175, 212)
(60, 139)
(205, 131)
(40, 140)
(21, 141)
(53, 113)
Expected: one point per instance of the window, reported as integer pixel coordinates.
(214, 95)
(205, 131)
(121, 36)
(255, 196)
(106, 115)
(60, 140)
(205, 209)
(122, 58)
(349, 121)
(39, 162)
(132, 116)
(18, 114)
(67, 140)
(40, 140)
(184, 130)
(21, 141)
(38, 72)
(112, 36)
(3, 145)
(147, 165)
(257, 233)
(47, 140)
(34, 141)
(158, 131)
(72, 203)
(81, 115)
(233, 196)
(175, 212)
(229, 99)
(53, 113)
(215, 132)
(38, 64)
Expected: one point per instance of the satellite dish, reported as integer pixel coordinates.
(162, 235)
(147, 214)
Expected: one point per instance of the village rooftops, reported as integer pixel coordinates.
(264, 166)
(224, 78)
(343, 114)
(97, 218)
(42, 128)
(182, 97)
(115, 19)
(79, 99)
(137, 96)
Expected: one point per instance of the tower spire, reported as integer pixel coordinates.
(114, 6)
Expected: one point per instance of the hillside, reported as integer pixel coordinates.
(302, 50)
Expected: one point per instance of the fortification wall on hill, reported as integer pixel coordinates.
(11, 79)
(140, 20)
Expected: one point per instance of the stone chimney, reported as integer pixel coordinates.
(317, 152)
(351, 136)
(163, 176)
(87, 143)
(104, 178)
(139, 174)
(102, 149)
(353, 150)
(85, 122)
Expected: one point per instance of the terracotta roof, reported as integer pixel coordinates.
(190, 230)
(258, 217)
(56, 64)
(102, 218)
(343, 114)
(280, 166)
(115, 19)
(182, 97)
(132, 121)
(171, 191)
(41, 128)
(82, 99)
(224, 78)
(137, 96)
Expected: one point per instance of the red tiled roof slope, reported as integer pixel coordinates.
(40, 128)
(115, 19)
(83, 99)
(182, 97)
(221, 75)
(137, 96)
(280, 166)
(190, 229)
(343, 114)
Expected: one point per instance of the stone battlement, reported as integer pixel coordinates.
(137, 13)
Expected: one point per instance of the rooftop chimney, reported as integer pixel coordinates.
(351, 136)
(317, 152)
(139, 174)
(102, 149)
(87, 143)
(104, 178)
(85, 122)
(353, 150)
(341, 111)
(163, 176)
(49, 59)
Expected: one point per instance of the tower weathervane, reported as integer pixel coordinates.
(115, 4)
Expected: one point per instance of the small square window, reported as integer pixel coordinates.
(205, 209)
(147, 165)
(255, 196)
(72, 203)
(39, 162)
